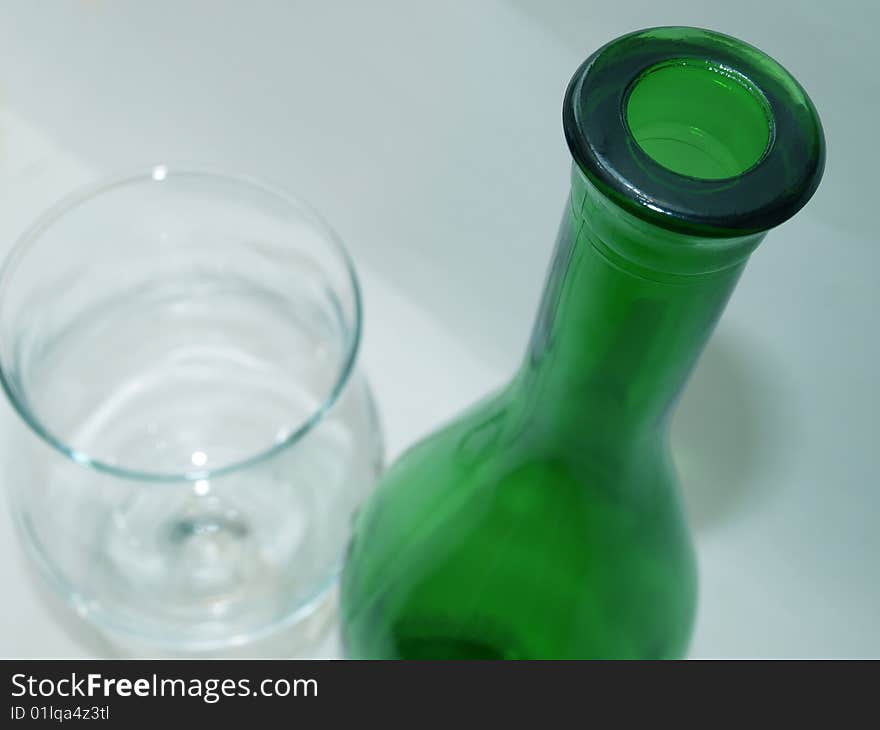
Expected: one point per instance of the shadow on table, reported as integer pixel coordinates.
(734, 430)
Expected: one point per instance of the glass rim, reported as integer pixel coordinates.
(159, 173)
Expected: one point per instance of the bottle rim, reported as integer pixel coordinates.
(604, 147)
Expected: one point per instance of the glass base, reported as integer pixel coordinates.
(311, 632)
(307, 631)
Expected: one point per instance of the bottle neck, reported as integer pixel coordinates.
(626, 311)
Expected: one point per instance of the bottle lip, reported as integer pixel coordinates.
(602, 145)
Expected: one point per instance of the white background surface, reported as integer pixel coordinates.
(429, 134)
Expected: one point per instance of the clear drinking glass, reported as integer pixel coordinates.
(181, 347)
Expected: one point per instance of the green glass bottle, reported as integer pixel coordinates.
(545, 523)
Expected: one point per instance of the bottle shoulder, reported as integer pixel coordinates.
(476, 523)
(502, 461)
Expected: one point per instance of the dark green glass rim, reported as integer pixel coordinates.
(770, 192)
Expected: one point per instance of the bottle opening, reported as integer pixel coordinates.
(694, 131)
(699, 119)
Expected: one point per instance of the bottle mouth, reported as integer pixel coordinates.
(695, 131)
(699, 119)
